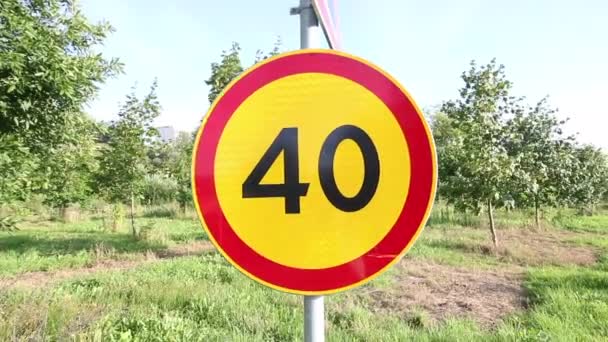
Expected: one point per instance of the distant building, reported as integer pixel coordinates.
(167, 133)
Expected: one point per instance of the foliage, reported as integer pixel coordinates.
(8, 224)
(589, 178)
(123, 159)
(171, 162)
(157, 189)
(230, 66)
(70, 167)
(493, 149)
(48, 67)
(535, 143)
(161, 155)
(542, 155)
(476, 166)
(123, 162)
(181, 169)
(225, 71)
(48, 70)
(17, 168)
(112, 217)
(260, 56)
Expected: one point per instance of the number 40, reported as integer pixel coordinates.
(292, 189)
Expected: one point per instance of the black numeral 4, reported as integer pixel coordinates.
(292, 189)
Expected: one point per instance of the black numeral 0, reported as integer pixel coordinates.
(370, 160)
(292, 189)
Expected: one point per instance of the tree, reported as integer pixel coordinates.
(588, 180)
(70, 167)
(123, 160)
(48, 67)
(161, 157)
(48, 70)
(225, 71)
(172, 162)
(477, 164)
(445, 136)
(184, 145)
(540, 151)
(230, 66)
(276, 49)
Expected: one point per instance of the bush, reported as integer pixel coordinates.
(35, 205)
(113, 217)
(158, 189)
(163, 211)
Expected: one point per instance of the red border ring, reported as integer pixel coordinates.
(410, 221)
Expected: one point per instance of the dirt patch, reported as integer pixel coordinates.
(523, 247)
(531, 247)
(33, 280)
(191, 249)
(445, 291)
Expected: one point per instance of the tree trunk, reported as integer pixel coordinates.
(492, 228)
(63, 212)
(132, 217)
(536, 214)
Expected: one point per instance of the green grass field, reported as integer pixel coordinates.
(78, 282)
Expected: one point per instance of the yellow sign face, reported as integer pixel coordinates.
(314, 172)
(316, 104)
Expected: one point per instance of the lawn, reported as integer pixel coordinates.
(48, 246)
(203, 298)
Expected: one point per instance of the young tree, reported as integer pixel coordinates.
(230, 66)
(540, 151)
(71, 166)
(478, 166)
(276, 49)
(445, 136)
(225, 71)
(182, 169)
(161, 157)
(123, 161)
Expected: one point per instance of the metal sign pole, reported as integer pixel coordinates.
(314, 319)
(314, 311)
(310, 31)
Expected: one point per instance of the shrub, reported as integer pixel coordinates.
(159, 189)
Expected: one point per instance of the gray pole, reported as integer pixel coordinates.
(314, 311)
(309, 26)
(314, 319)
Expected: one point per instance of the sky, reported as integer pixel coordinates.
(549, 48)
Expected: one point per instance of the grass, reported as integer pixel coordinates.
(50, 246)
(465, 249)
(596, 224)
(568, 304)
(204, 298)
(194, 299)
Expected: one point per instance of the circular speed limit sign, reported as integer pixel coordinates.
(313, 172)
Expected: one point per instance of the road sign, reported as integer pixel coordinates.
(327, 16)
(313, 172)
